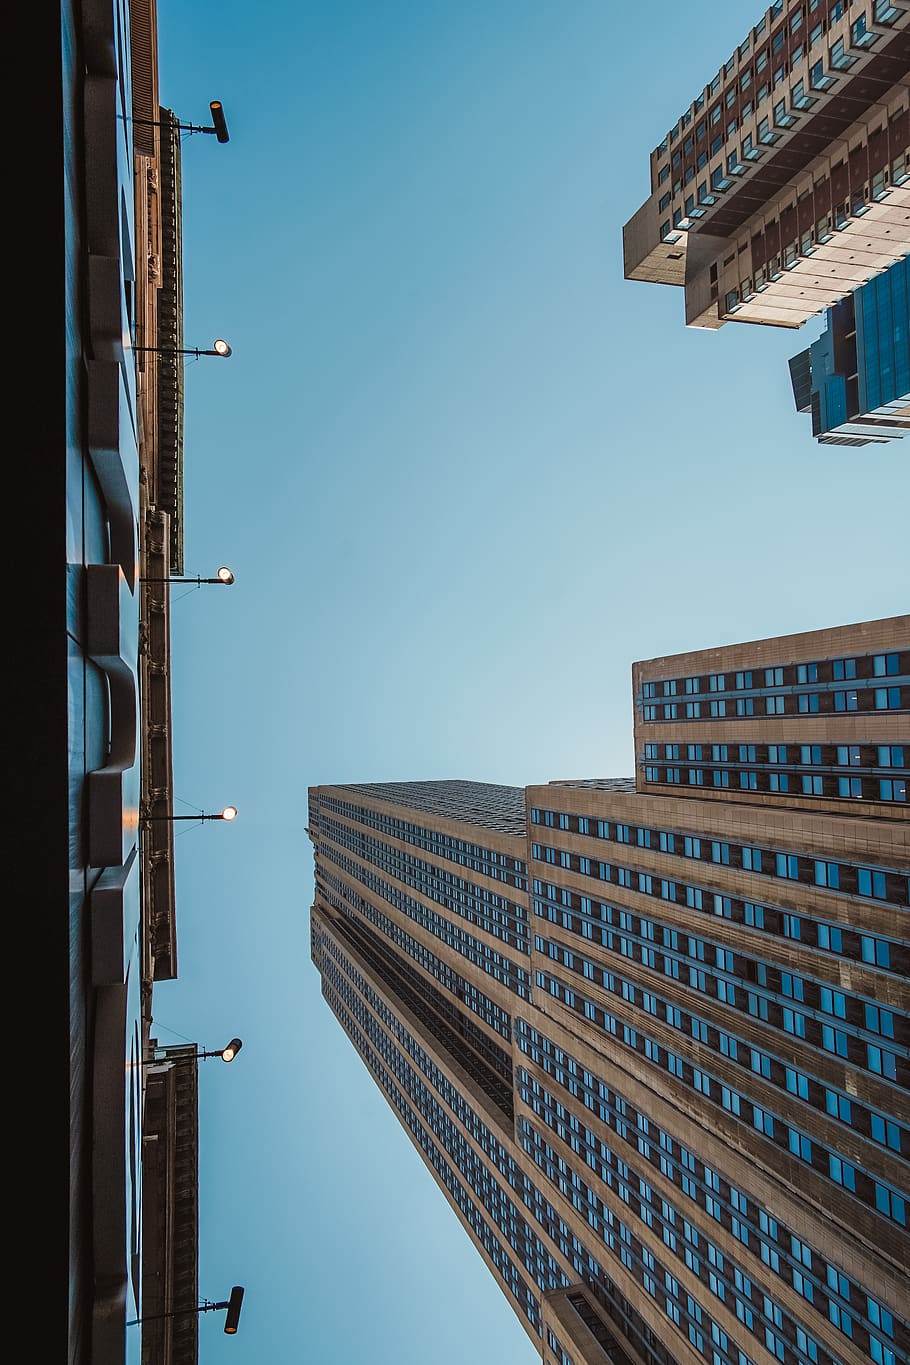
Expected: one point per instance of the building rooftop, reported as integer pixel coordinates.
(605, 784)
(487, 804)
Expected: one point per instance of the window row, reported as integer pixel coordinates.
(868, 666)
(875, 883)
(866, 756)
(783, 783)
(834, 702)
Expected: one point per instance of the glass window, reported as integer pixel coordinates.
(827, 874)
(830, 937)
(839, 57)
(870, 882)
(752, 859)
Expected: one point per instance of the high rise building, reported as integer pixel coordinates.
(651, 1036)
(75, 742)
(93, 738)
(785, 185)
(855, 380)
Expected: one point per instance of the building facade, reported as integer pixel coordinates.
(855, 380)
(649, 1035)
(93, 741)
(77, 739)
(786, 183)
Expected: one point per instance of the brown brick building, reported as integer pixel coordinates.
(786, 183)
(651, 1037)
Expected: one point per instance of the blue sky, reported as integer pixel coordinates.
(465, 474)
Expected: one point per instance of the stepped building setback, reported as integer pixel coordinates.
(785, 186)
(650, 1036)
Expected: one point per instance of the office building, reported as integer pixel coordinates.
(92, 739)
(75, 741)
(650, 1036)
(855, 380)
(785, 185)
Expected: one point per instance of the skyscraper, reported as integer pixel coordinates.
(651, 1036)
(855, 380)
(785, 185)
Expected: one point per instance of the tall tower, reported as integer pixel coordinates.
(651, 1036)
(785, 184)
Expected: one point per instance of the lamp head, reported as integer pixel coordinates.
(232, 1316)
(230, 1052)
(218, 121)
(225, 574)
(220, 347)
(229, 813)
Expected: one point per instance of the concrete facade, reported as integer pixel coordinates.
(786, 184)
(652, 1046)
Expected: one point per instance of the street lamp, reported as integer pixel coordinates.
(218, 128)
(227, 1054)
(224, 576)
(229, 813)
(231, 1317)
(218, 347)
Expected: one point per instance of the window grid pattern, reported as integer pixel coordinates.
(496, 914)
(885, 954)
(782, 1253)
(869, 1190)
(463, 1173)
(499, 866)
(339, 895)
(851, 1027)
(758, 67)
(890, 885)
(495, 964)
(346, 983)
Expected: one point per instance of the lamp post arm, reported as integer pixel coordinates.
(180, 127)
(175, 350)
(206, 1307)
(169, 818)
